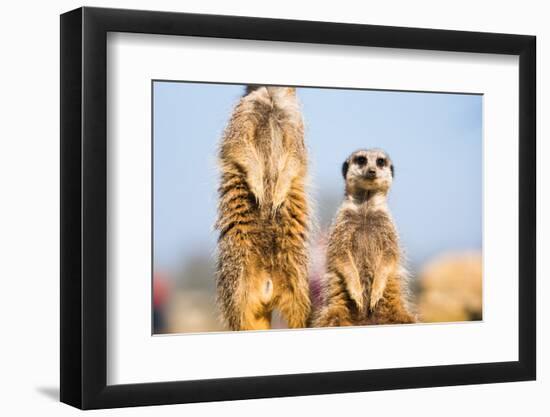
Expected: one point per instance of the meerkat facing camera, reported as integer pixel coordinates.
(263, 214)
(364, 280)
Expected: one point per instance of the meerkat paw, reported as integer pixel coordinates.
(255, 180)
(375, 297)
(258, 193)
(279, 197)
(379, 282)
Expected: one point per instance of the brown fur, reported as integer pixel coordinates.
(263, 214)
(364, 281)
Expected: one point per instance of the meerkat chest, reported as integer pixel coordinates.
(374, 235)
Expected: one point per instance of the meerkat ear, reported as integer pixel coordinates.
(392, 170)
(290, 91)
(345, 167)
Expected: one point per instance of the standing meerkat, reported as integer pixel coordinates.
(263, 214)
(364, 280)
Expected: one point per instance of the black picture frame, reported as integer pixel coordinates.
(84, 207)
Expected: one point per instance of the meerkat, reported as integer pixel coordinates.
(365, 279)
(263, 214)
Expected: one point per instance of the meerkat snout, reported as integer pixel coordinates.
(370, 174)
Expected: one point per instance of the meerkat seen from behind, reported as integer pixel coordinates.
(364, 280)
(263, 214)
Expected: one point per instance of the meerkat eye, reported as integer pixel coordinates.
(360, 160)
(381, 162)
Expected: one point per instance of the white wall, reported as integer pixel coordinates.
(29, 168)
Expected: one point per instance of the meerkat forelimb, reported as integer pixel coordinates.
(364, 283)
(263, 214)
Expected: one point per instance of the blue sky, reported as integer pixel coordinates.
(435, 141)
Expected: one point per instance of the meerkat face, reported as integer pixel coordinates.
(368, 170)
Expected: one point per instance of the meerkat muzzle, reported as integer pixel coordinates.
(370, 175)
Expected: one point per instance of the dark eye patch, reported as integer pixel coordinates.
(360, 160)
(381, 162)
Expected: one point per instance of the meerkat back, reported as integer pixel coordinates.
(263, 164)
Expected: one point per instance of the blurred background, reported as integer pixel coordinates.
(434, 139)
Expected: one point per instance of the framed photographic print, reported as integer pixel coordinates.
(257, 207)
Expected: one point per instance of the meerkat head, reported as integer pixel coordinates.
(283, 91)
(368, 170)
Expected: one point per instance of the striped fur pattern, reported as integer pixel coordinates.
(263, 214)
(364, 281)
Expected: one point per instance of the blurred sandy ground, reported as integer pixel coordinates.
(447, 288)
(450, 288)
(192, 311)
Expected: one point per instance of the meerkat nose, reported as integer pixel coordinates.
(371, 173)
